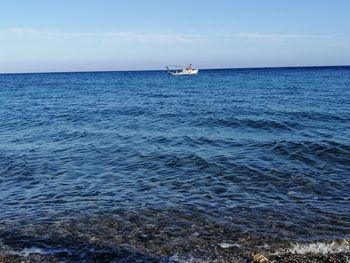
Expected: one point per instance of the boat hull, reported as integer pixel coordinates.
(183, 73)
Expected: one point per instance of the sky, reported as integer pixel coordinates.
(98, 35)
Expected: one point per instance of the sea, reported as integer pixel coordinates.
(140, 166)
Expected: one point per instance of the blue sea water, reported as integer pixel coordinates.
(163, 166)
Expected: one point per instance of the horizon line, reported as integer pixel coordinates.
(148, 70)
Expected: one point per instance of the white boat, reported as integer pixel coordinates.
(185, 71)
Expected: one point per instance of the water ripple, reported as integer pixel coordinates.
(139, 165)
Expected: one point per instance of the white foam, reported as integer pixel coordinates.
(27, 251)
(184, 259)
(228, 245)
(323, 248)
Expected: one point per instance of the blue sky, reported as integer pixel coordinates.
(79, 35)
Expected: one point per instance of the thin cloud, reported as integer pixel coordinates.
(114, 37)
(152, 37)
(277, 36)
(135, 37)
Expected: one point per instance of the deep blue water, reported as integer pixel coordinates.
(247, 156)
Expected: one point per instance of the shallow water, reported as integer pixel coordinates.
(146, 163)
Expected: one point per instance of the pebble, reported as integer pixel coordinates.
(259, 258)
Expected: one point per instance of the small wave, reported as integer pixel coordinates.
(267, 124)
(327, 151)
(318, 116)
(26, 252)
(184, 259)
(42, 250)
(249, 123)
(159, 95)
(323, 248)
